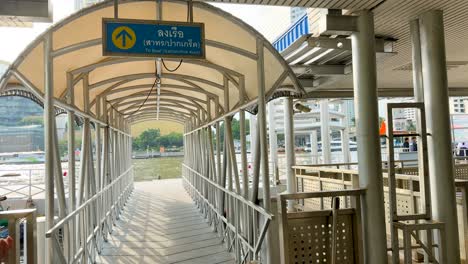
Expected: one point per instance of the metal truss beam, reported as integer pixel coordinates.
(320, 70)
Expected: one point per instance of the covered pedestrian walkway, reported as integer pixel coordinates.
(238, 71)
(159, 226)
(108, 218)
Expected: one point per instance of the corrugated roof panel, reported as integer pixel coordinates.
(335, 4)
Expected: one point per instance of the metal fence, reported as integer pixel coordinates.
(24, 183)
(242, 224)
(314, 178)
(80, 235)
(21, 183)
(321, 236)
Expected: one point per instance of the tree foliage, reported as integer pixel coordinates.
(32, 120)
(152, 139)
(410, 126)
(235, 124)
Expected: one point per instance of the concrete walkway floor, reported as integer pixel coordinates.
(161, 224)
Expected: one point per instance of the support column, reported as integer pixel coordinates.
(71, 161)
(441, 171)
(253, 136)
(314, 146)
(273, 141)
(289, 147)
(345, 135)
(49, 134)
(367, 129)
(263, 143)
(244, 162)
(418, 89)
(325, 131)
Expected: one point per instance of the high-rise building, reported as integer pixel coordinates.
(350, 114)
(79, 4)
(297, 12)
(410, 114)
(21, 13)
(457, 105)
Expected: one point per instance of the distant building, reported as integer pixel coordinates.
(350, 114)
(14, 109)
(21, 139)
(80, 4)
(22, 13)
(399, 119)
(3, 67)
(457, 105)
(297, 12)
(410, 114)
(465, 102)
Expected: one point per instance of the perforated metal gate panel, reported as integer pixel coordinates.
(461, 172)
(310, 239)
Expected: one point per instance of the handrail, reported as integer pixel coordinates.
(235, 195)
(461, 183)
(342, 164)
(79, 235)
(81, 207)
(321, 194)
(16, 213)
(326, 169)
(346, 171)
(240, 222)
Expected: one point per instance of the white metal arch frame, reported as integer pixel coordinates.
(127, 90)
(68, 49)
(136, 108)
(167, 93)
(167, 87)
(143, 100)
(65, 67)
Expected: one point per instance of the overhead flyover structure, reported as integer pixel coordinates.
(65, 68)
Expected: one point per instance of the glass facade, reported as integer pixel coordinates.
(297, 12)
(79, 4)
(21, 125)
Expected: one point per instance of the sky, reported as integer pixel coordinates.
(268, 20)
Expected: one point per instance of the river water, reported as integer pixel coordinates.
(16, 179)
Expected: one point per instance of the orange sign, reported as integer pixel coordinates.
(383, 128)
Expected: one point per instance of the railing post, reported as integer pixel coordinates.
(325, 131)
(273, 141)
(289, 148)
(30, 185)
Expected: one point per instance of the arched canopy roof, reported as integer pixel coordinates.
(238, 59)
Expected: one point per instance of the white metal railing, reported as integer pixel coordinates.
(240, 222)
(24, 183)
(21, 183)
(90, 222)
(26, 217)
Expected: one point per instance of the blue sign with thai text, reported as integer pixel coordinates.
(147, 38)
